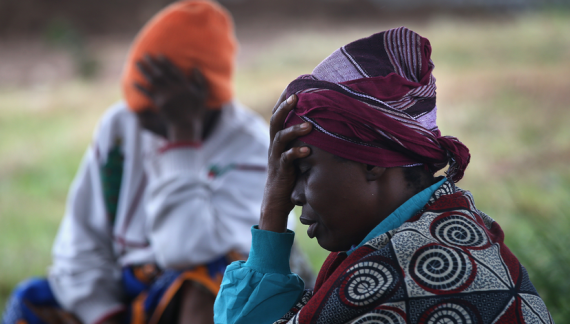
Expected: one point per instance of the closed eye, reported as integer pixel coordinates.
(304, 171)
(302, 168)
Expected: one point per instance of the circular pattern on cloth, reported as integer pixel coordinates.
(459, 231)
(380, 317)
(449, 313)
(366, 282)
(440, 269)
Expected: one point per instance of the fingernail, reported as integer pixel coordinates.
(290, 99)
(305, 125)
(304, 149)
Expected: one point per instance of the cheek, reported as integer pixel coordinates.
(332, 198)
(340, 190)
(321, 189)
(345, 204)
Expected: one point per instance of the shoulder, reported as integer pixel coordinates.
(242, 134)
(248, 124)
(450, 198)
(116, 116)
(448, 205)
(117, 126)
(449, 221)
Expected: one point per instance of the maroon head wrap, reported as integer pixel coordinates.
(373, 101)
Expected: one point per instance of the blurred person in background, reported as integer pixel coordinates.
(166, 195)
(356, 144)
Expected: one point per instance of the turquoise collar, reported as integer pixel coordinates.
(408, 209)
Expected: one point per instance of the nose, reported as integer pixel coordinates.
(298, 193)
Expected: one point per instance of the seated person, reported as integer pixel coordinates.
(166, 195)
(356, 144)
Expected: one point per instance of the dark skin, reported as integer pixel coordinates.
(180, 98)
(342, 200)
(181, 115)
(363, 196)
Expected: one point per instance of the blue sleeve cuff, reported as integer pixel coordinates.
(270, 251)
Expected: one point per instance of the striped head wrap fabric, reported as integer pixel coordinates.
(374, 101)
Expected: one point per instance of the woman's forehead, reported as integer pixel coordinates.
(299, 143)
(318, 155)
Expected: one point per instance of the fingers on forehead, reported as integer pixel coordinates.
(287, 135)
(164, 60)
(148, 66)
(167, 64)
(149, 60)
(285, 138)
(142, 89)
(290, 156)
(197, 73)
(199, 78)
(282, 98)
(145, 70)
(281, 112)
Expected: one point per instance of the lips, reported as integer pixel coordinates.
(311, 231)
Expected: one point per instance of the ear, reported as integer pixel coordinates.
(373, 172)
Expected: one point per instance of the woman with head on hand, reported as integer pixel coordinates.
(167, 192)
(356, 145)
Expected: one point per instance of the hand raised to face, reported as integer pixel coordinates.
(281, 176)
(180, 99)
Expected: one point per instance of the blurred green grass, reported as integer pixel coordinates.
(502, 88)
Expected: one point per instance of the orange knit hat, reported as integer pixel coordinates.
(191, 34)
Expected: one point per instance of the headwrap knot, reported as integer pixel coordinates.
(458, 155)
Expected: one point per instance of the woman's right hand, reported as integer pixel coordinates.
(180, 99)
(281, 176)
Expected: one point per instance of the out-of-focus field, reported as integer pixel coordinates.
(502, 89)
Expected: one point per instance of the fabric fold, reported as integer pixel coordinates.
(374, 101)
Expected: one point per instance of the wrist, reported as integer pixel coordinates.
(270, 251)
(273, 220)
(185, 133)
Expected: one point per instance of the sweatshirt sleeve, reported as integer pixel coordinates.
(85, 277)
(261, 289)
(195, 216)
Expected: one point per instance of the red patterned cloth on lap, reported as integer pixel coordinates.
(448, 264)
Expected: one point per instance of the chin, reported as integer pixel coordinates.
(332, 247)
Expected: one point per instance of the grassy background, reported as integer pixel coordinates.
(502, 90)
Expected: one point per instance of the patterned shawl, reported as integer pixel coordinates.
(448, 264)
(373, 101)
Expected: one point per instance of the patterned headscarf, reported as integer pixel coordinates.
(373, 101)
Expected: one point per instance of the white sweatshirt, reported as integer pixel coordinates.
(177, 207)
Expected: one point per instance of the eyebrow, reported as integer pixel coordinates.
(341, 159)
(302, 160)
(298, 161)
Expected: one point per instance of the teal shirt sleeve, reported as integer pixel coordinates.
(263, 288)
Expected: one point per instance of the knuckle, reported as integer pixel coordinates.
(278, 137)
(284, 158)
(271, 155)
